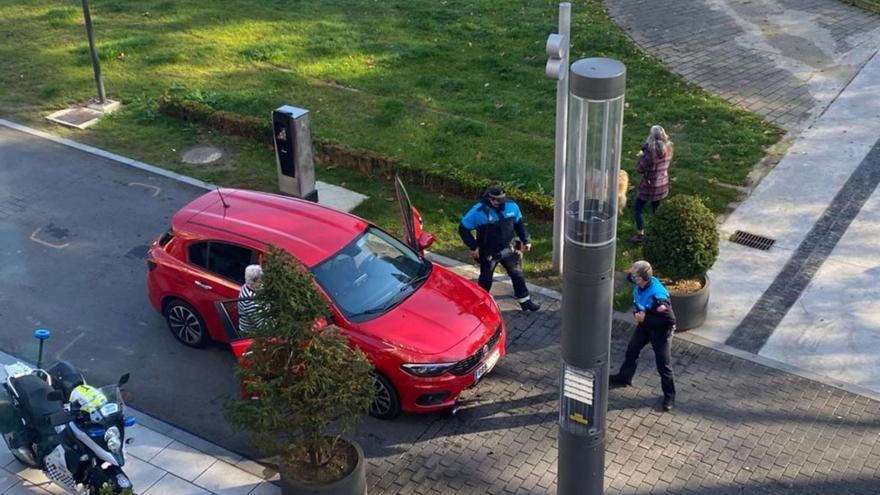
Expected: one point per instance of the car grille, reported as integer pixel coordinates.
(467, 364)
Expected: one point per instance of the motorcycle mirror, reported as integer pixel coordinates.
(124, 379)
(55, 396)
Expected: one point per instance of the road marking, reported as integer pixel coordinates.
(47, 243)
(68, 346)
(155, 189)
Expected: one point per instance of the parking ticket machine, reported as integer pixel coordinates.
(293, 152)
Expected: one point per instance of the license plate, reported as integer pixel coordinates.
(487, 365)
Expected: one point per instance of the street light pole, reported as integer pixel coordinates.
(557, 68)
(595, 130)
(93, 50)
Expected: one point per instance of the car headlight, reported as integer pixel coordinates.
(114, 441)
(427, 369)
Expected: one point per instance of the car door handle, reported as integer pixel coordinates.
(203, 285)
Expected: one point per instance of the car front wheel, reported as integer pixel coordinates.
(386, 405)
(186, 324)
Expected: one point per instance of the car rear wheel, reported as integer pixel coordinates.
(386, 405)
(186, 324)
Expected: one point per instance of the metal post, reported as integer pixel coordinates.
(41, 334)
(96, 62)
(557, 68)
(595, 130)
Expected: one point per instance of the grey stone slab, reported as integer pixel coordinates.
(183, 461)
(225, 479)
(147, 443)
(172, 485)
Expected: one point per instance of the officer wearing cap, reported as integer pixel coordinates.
(497, 219)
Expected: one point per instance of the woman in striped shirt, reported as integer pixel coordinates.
(248, 308)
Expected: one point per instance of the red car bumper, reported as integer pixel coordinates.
(428, 394)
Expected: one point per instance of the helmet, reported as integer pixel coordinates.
(496, 192)
(90, 400)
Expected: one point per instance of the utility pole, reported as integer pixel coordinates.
(595, 134)
(557, 68)
(96, 62)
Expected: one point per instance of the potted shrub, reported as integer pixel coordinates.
(682, 245)
(306, 386)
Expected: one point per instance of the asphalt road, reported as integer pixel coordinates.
(74, 230)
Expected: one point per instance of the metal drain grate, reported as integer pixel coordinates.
(752, 240)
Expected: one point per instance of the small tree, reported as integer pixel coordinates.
(682, 241)
(308, 386)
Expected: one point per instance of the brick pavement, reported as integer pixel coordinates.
(783, 59)
(740, 427)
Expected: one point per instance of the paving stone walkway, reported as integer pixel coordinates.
(740, 427)
(783, 59)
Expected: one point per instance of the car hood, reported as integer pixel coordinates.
(448, 317)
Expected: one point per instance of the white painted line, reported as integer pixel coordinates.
(47, 243)
(156, 189)
(69, 345)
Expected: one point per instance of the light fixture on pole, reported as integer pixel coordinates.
(557, 69)
(595, 130)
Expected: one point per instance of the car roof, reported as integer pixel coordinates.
(309, 231)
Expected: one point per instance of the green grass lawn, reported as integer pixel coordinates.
(452, 82)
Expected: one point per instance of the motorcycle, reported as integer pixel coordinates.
(53, 421)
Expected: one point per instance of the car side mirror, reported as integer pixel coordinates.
(425, 241)
(55, 396)
(124, 379)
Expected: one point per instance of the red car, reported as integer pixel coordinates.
(429, 333)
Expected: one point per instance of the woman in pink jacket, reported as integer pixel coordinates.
(653, 164)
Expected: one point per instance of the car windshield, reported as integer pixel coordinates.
(371, 275)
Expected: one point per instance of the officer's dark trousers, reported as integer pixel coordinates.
(512, 265)
(660, 340)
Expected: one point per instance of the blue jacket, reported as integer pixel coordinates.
(654, 301)
(495, 227)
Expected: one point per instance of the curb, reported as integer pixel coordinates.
(457, 265)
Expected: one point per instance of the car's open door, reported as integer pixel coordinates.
(227, 311)
(412, 221)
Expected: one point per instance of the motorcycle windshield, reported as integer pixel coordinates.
(111, 406)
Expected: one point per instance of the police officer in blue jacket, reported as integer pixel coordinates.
(496, 219)
(655, 324)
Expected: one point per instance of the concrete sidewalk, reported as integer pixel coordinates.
(163, 460)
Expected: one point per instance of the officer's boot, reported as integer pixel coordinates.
(529, 305)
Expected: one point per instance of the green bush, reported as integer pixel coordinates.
(307, 386)
(682, 241)
(107, 489)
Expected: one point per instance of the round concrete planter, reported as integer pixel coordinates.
(690, 310)
(355, 483)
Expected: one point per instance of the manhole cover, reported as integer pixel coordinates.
(752, 240)
(76, 117)
(201, 155)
